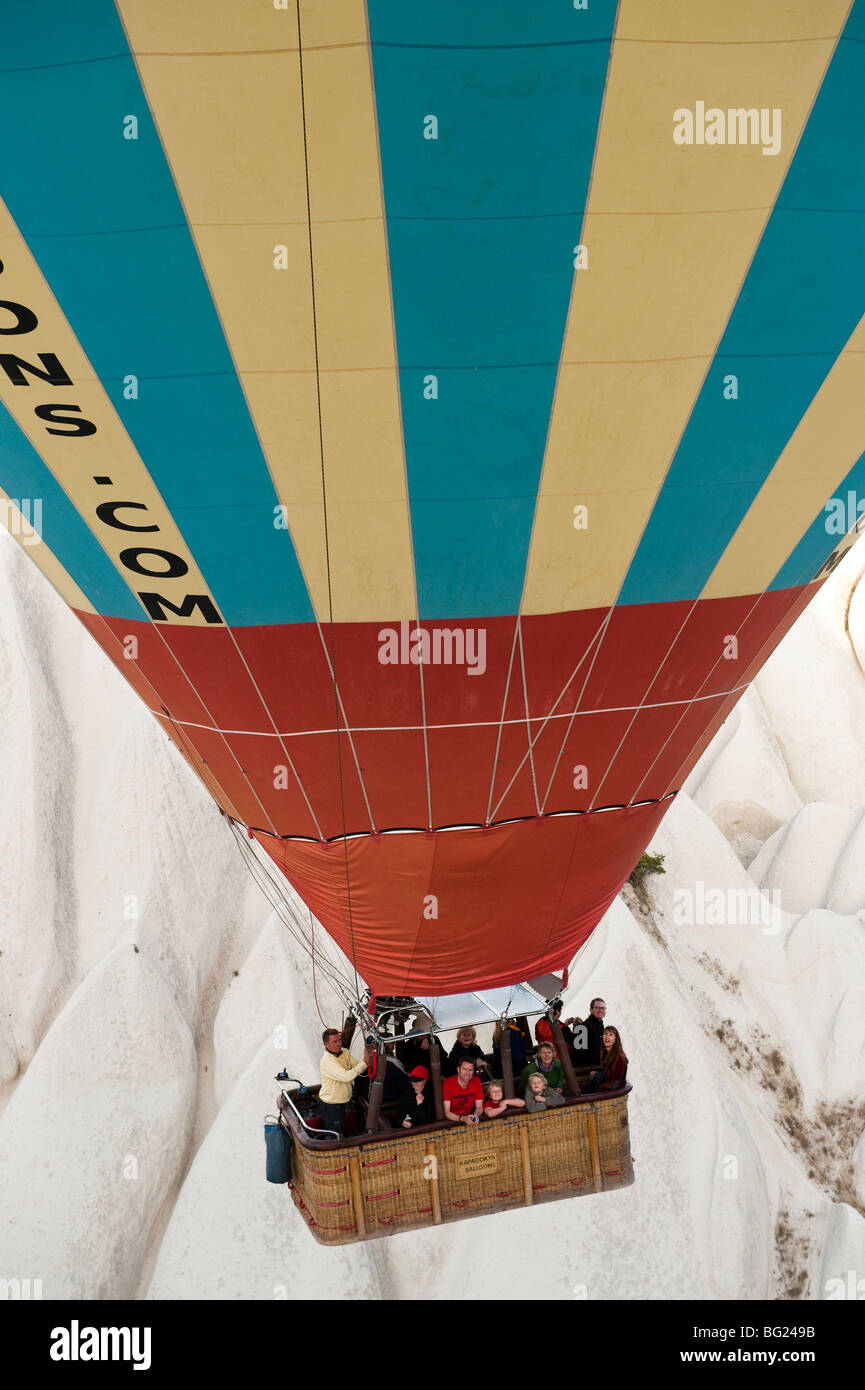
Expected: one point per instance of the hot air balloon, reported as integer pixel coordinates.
(433, 411)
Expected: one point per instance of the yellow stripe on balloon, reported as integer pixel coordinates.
(248, 144)
(76, 461)
(670, 232)
(21, 527)
(827, 442)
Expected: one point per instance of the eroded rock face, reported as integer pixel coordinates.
(746, 826)
(232, 1235)
(94, 1140)
(148, 996)
(817, 859)
(742, 781)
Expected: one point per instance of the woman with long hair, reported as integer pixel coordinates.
(614, 1062)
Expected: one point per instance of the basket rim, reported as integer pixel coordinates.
(356, 1141)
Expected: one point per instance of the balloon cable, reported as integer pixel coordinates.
(280, 901)
(324, 497)
(314, 991)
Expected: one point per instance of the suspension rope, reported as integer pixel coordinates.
(337, 701)
(425, 746)
(276, 731)
(528, 721)
(601, 633)
(314, 990)
(330, 658)
(745, 686)
(456, 724)
(550, 715)
(495, 767)
(697, 696)
(163, 712)
(597, 642)
(646, 692)
(216, 727)
(190, 752)
(282, 904)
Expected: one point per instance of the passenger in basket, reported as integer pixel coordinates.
(539, 1096)
(397, 1090)
(338, 1070)
(588, 1054)
(614, 1063)
(422, 1110)
(416, 1052)
(518, 1047)
(463, 1094)
(548, 1064)
(497, 1103)
(466, 1045)
(544, 1033)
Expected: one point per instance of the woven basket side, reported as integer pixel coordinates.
(560, 1152)
(614, 1143)
(464, 1153)
(321, 1191)
(477, 1170)
(395, 1192)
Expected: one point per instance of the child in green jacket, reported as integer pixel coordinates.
(548, 1064)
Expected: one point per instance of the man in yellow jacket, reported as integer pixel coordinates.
(338, 1070)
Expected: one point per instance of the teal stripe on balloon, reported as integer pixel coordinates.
(23, 476)
(801, 300)
(841, 512)
(104, 221)
(482, 223)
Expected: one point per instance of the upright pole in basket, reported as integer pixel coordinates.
(435, 1063)
(376, 1089)
(564, 1055)
(507, 1060)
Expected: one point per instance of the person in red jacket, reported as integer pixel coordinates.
(614, 1063)
(497, 1103)
(463, 1094)
(544, 1033)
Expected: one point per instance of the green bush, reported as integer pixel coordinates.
(646, 864)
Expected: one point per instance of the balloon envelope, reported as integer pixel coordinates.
(433, 411)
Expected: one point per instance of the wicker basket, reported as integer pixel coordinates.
(375, 1185)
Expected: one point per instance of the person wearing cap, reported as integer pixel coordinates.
(422, 1111)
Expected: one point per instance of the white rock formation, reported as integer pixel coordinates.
(94, 1141)
(817, 859)
(742, 780)
(148, 995)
